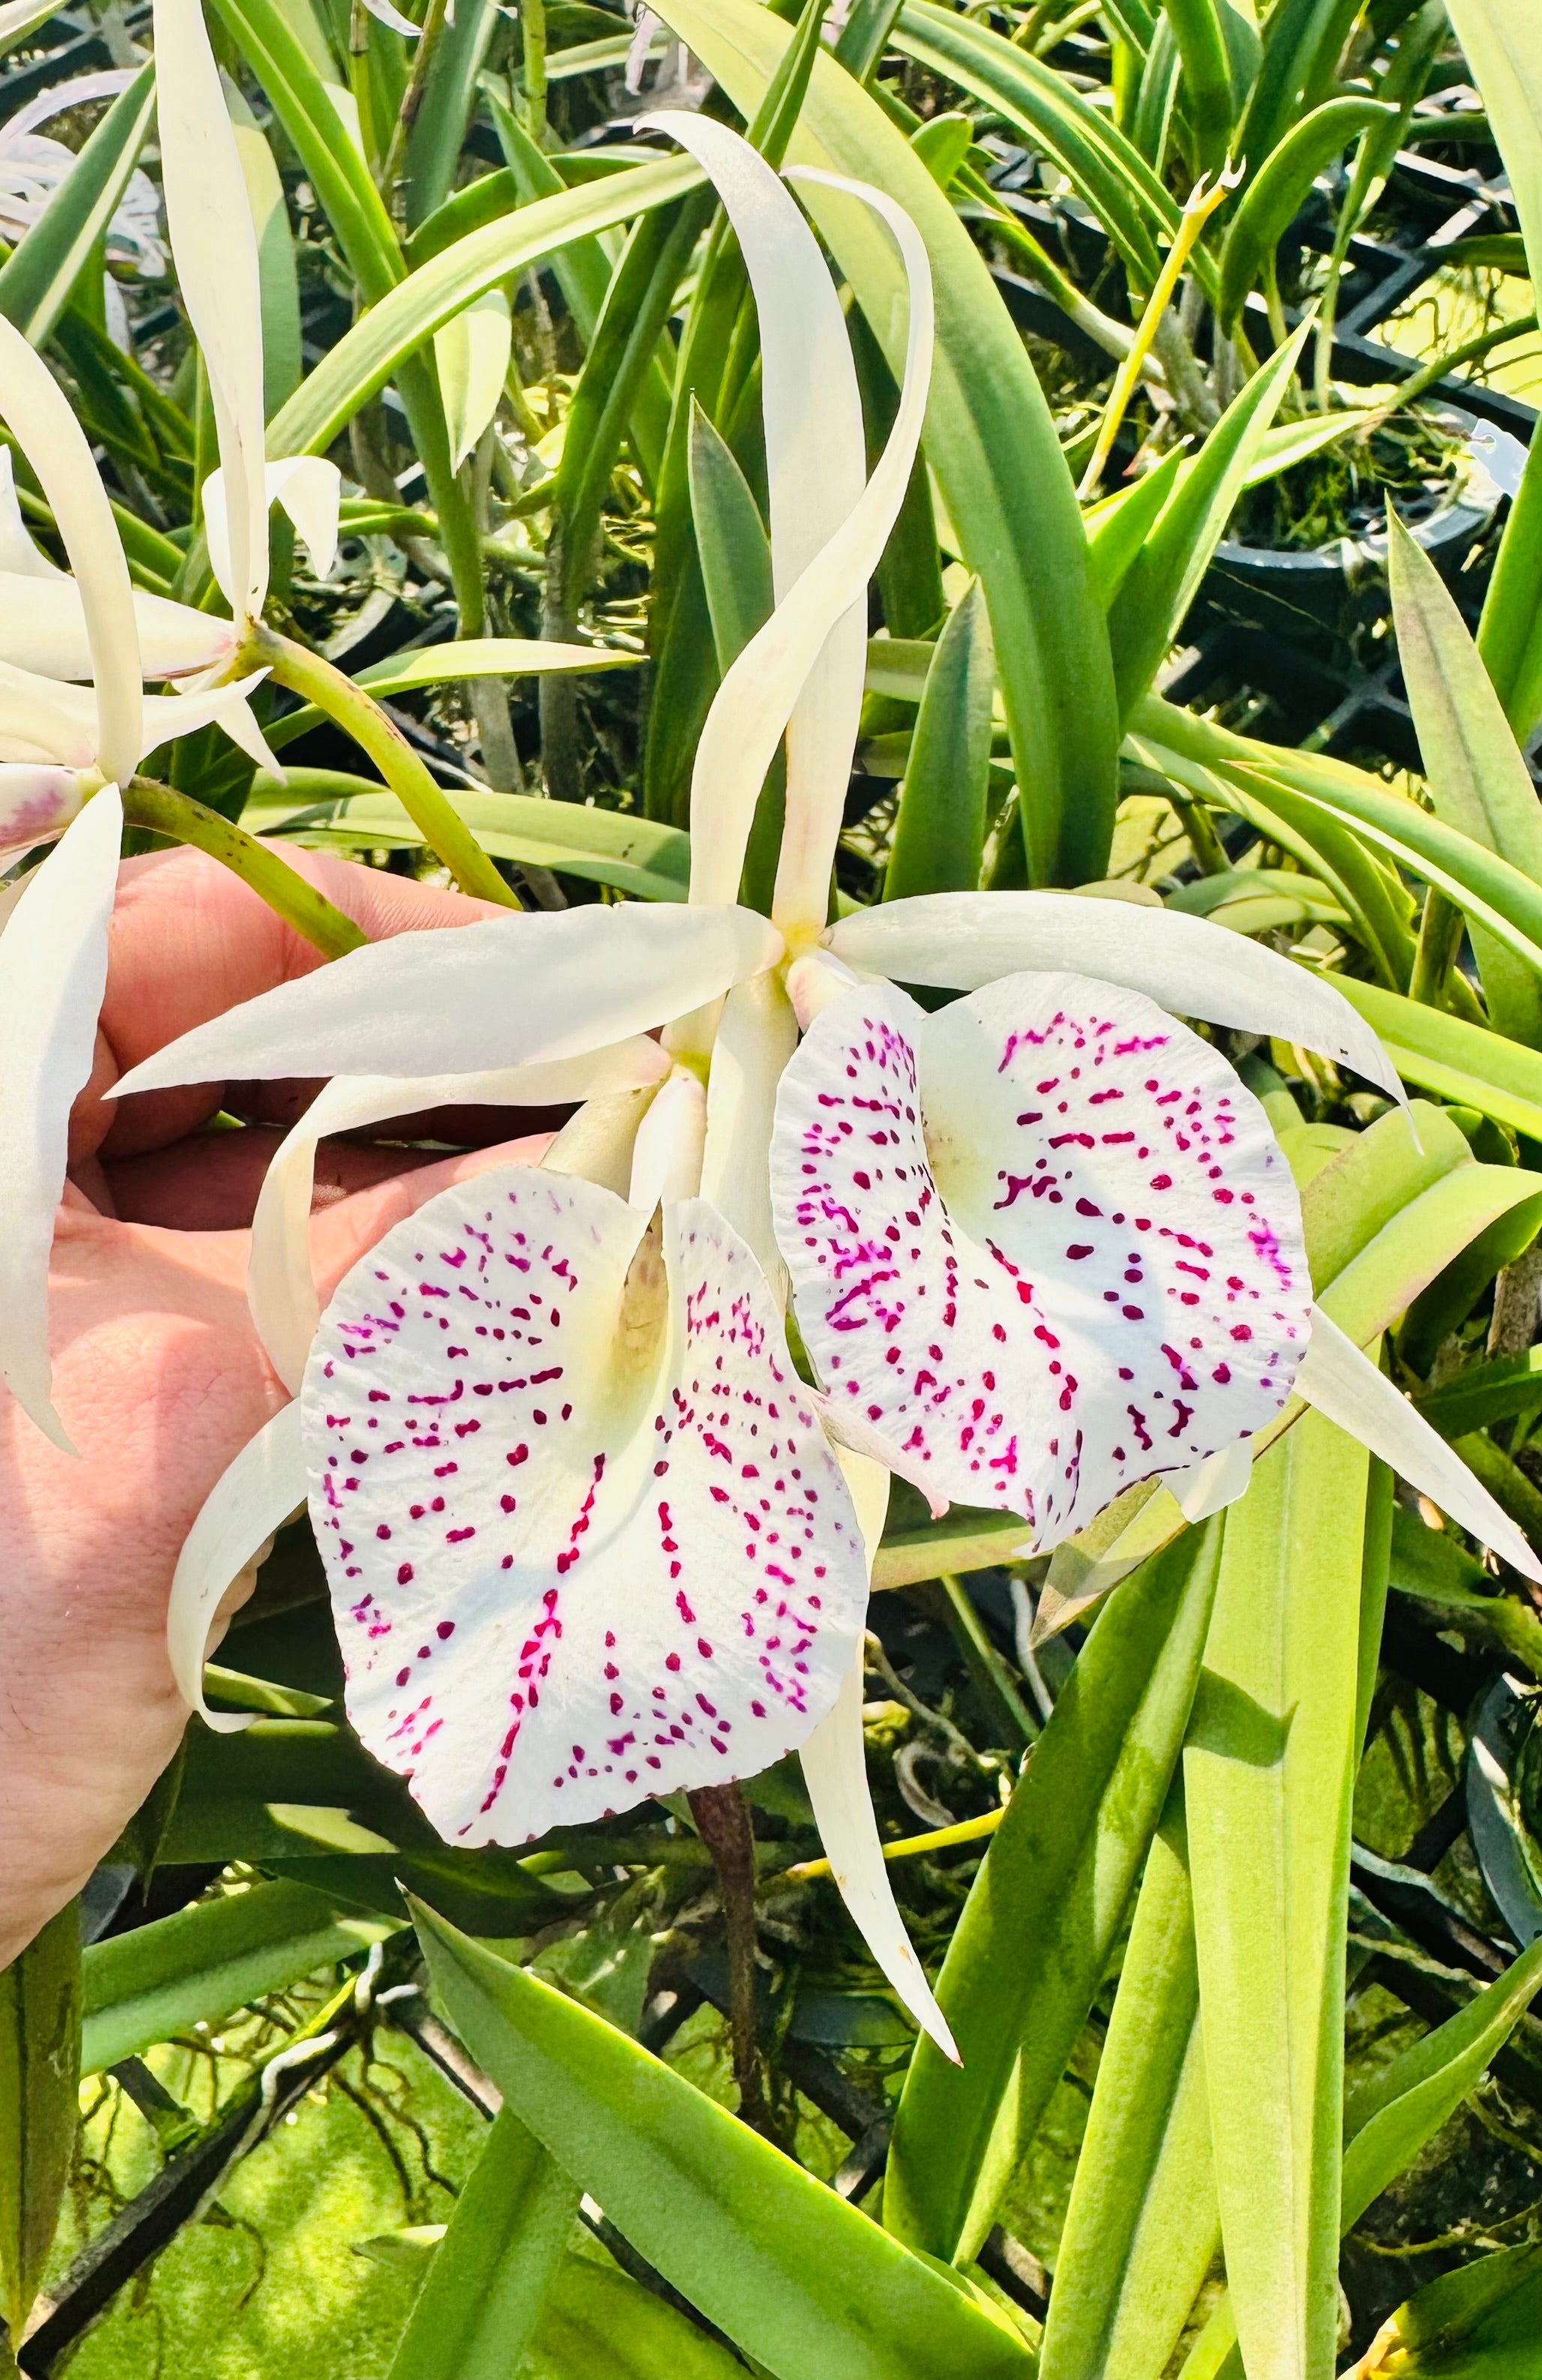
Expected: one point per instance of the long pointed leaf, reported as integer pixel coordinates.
(798, 2279)
(1044, 1912)
(1268, 1769)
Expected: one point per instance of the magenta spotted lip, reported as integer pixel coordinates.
(1043, 1242)
(559, 1592)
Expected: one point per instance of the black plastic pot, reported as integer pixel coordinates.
(1340, 587)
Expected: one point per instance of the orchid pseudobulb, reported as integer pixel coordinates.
(579, 1514)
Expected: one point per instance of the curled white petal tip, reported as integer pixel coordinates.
(1208, 1488)
(384, 14)
(850, 1431)
(1345, 1385)
(252, 1498)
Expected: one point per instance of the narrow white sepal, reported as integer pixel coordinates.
(252, 1498)
(280, 1288)
(961, 941)
(523, 986)
(52, 974)
(43, 422)
(1346, 1387)
(214, 242)
(169, 715)
(835, 1771)
(37, 802)
(1210, 1486)
(757, 1034)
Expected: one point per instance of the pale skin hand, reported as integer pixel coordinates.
(158, 1375)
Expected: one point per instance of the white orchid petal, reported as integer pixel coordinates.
(37, 803)
(471, 352)
(280, 1289)
(794, 296)
(1210, 1486)
(77, 91)
(44, 425)
(169, 715)
(832, 696)
(755, 1037)
(214, 244)
(308, 488)
(961, 941)
(509, 992)
(1348, 1389)
(816, 462)
(835, 1771)
(42, 628)
(585, 1540)
(20, 555)
(253, 1496)
(666, 1153)
(1043, 1242)
(53, 973)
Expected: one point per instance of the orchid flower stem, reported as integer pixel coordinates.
(311, 675)
(181, 819)
(721, 1816)
(1192, 222)
(938, 1838)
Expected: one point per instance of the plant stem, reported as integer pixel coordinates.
(1440, 930)
(412, 100)
(532, 33)
(181, 819)
(1192, 222)
(437, 820)
(721, 1816)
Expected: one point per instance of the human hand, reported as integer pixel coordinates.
(159, 1375)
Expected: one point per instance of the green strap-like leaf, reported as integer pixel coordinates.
(1277, 190)
(1201, 36)
(1142, 2226)
(208, 1960)
(37, 279)
(1105, 169)
(1268, 1769)
(438, 134)
(1044, 1912)
(800, 2279)
(366, 357)
(598, 2325)
(940, 828)
(990, 437)
(485, 2293)
(39, 2065)
(1478, 775)
(1164, 577)
(1388, 2117)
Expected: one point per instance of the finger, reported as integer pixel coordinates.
(209, 1181)
(188, 939)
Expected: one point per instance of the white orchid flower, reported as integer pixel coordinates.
(32, 167)
(588, 1535)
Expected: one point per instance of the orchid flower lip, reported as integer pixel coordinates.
(1042, 1243)
(598, 1551)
